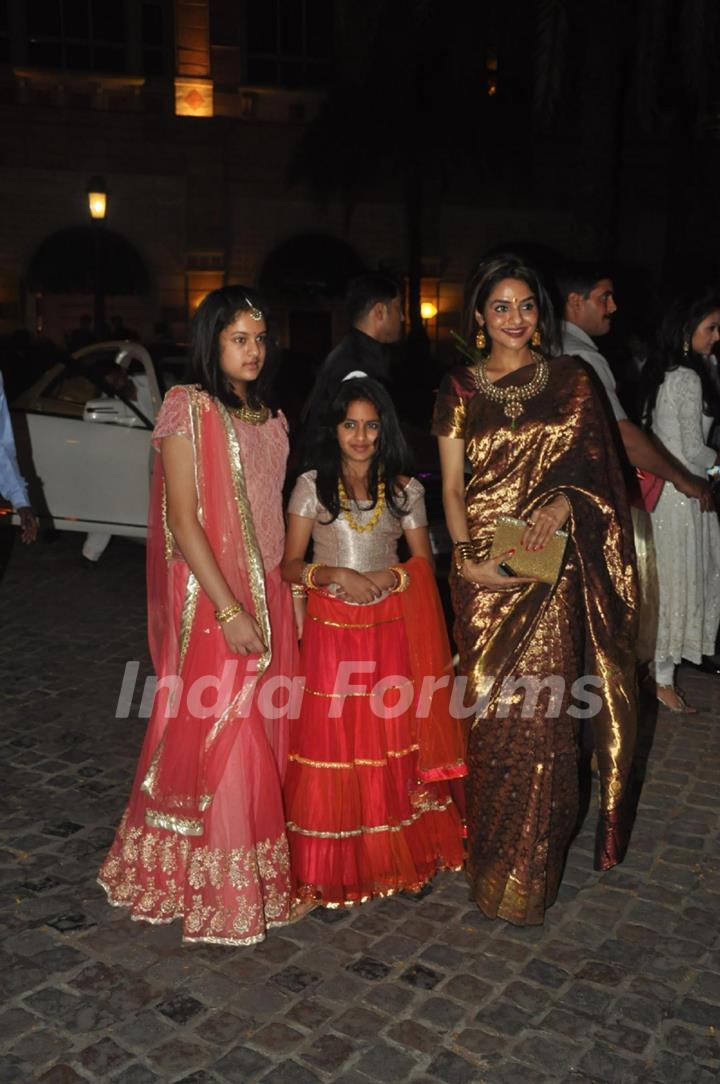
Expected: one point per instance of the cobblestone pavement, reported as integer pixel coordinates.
(621, 984)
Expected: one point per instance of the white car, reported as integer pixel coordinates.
(87, 457)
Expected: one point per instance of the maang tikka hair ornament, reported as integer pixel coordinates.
(255, 314)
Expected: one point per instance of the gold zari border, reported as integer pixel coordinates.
(387, 689)
(351, 624)
(364, 829)
(358, 762)
(184, 826)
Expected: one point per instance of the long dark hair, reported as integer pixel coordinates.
(492, 271)
(216, 312)
(391, 459)
(674, 336)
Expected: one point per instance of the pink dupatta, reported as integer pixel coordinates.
(186, 642)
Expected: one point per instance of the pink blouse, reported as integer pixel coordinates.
(264, 452)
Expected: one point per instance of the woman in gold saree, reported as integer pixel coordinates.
(535, 434)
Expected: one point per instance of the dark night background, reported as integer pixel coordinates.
(292, 142)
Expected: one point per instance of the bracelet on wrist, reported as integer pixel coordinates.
(463, 551)
(308, 577)
(402, 579)
(297, 590)
(223, 616)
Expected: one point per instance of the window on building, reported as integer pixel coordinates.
(153, 36)
(290, 43)
(4, 33)
(76, 35)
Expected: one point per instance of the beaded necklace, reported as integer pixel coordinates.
(350, 518)
(253, 417)
(512, 397)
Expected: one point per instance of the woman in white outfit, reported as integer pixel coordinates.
(680, 402)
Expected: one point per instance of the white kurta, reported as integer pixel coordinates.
(687, 541)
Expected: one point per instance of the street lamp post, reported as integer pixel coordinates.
(97, 203)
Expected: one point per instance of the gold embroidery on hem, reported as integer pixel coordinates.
(351, 624)
(364, 829)
(184, 826)
(387, 689)
(358, 762)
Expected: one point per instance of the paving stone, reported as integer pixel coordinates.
(277, 1037)
(309, 1013)
(290, 1072)
(241, 1063)
(60, 1073)
(368, 968)
(503, 1017)
(103, 1057)
(328, 1053)
(360, 1023)
(441, 1012)
(223, 1028)
(14, 1022)
(530, 998)
(143, 1030)
(603, 1064)
(411, 1034)
(545, 974)
(563, 1022)
(452, 1069)
(601, 973)
(180, 1008)
(386, 1063)
(466, 987)
(554, 1056)
(478, 1041)
(581, 997)
(702, 1013)
(421, 977)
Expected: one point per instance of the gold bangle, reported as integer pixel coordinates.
(463, 551)
(308, 577)
(297, 590)
(403, 579)
(223, 616)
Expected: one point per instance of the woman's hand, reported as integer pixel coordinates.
(242, 634)
(383, 578)
(487, 573)
(355, 587)
(545, 522)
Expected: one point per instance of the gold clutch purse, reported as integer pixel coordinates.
(542, 564)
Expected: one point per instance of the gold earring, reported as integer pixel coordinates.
(686, 347)
(536, 339)
(480, 339)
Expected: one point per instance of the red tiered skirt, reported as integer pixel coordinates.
(360, 822)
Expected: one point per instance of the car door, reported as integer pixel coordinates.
(87, 458)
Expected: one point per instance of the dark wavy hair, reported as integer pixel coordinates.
(391, 459)
(676, 330)
(490, 272)
(216, 312)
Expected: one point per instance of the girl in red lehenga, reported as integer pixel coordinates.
(368, 807)
(203, 836)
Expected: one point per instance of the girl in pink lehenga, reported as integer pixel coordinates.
(203, 836)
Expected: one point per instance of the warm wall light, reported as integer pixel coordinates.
(97, 197)
(194, 98)
(428, 311)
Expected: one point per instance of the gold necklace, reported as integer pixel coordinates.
(350, 518)
(252, 417)
(513, 396)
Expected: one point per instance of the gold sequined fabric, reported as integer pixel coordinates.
(523, 751)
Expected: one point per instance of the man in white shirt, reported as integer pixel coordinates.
(588, 305)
